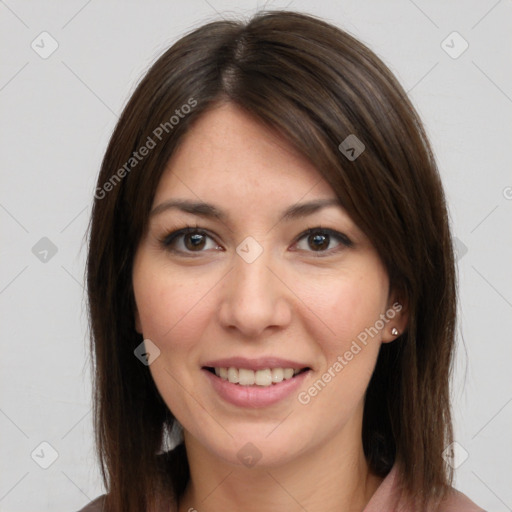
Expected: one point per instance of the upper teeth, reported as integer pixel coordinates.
(246, 377)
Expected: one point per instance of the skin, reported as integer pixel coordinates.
(209, 303)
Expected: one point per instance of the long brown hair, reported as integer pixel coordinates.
(316, 85)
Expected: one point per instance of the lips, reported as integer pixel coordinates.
(255, 382)
(247, 377)
(261, 363)
(260, 372)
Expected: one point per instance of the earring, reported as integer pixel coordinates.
(394, 331)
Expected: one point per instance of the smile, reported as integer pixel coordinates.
(255, 387)
(247, 377)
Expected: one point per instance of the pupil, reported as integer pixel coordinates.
(318, 239)
(196, 240)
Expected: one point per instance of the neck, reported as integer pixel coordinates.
(329, 478)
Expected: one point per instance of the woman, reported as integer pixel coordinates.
(270, 273)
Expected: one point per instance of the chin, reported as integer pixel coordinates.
(256, 445)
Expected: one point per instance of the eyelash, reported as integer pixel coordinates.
(170, 238)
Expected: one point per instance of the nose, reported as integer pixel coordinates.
(255, 298)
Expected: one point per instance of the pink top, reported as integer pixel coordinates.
(385, 499)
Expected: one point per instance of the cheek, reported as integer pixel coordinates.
(349, 352)
(171, 312)
(167, 301)
(346, 306)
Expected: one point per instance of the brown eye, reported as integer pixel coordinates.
(194, 241)
(188, 240)
(319, 240)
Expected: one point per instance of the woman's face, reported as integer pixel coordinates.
(249, 289)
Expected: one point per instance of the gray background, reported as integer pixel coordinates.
(57, 115)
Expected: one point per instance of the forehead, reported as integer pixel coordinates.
(228, 154)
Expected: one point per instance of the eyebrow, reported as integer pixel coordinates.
(208, 210)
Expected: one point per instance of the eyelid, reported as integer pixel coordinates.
(174, 234)
(328, 231)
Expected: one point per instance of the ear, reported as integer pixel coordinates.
(397, 313)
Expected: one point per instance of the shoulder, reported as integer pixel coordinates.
(164, 504)
(389, 497)
(95, 505)
(456, 501)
